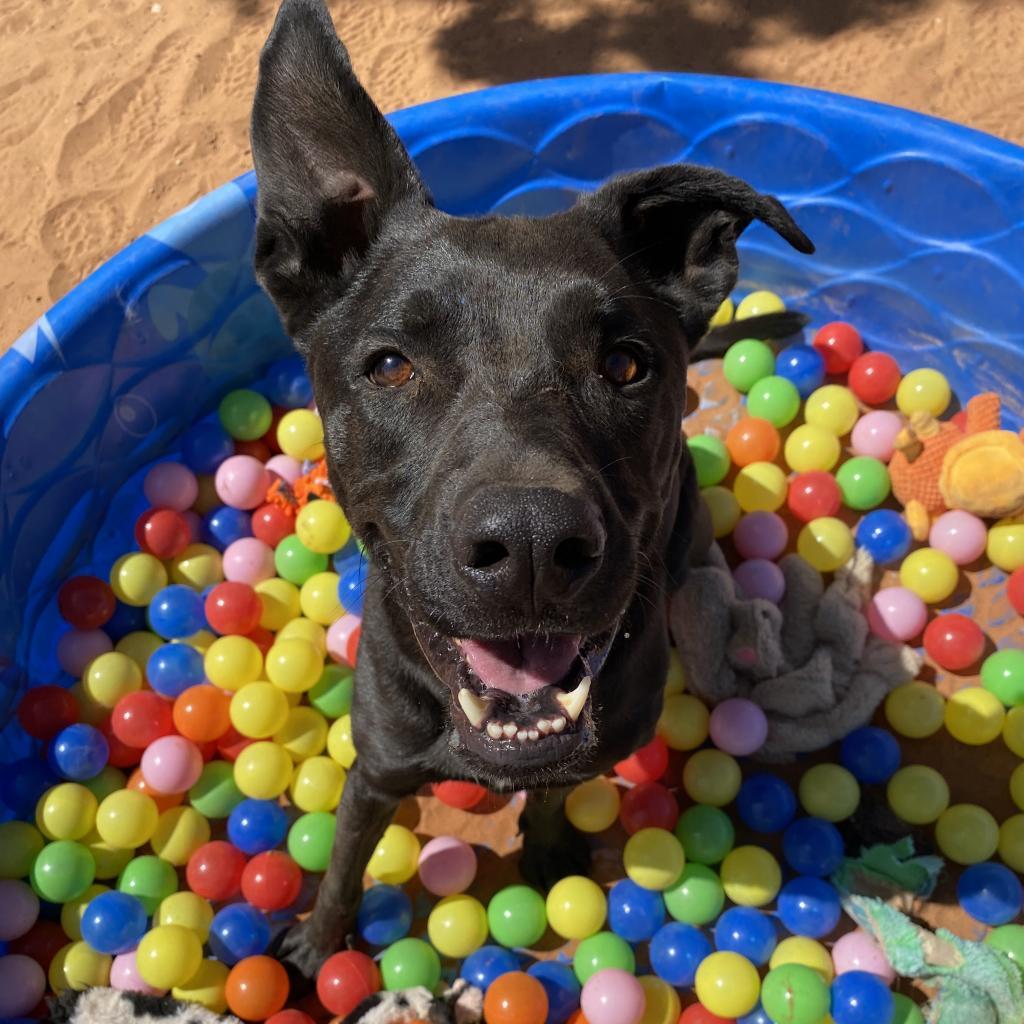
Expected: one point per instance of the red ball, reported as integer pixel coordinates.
(461, 795)
(233, 608)
(215, 870)
(839, 344)
(290, 1017)
(42, 942)
(649, 805)
(648, 764)
(697, 1014)
(232, 743)
(1015, 590)
(271, 881)
(874, 377)
(121, 754)
(345, 980)
(86, 602)
(954, 642)
(141, 717)
(258, 449)
(812, 495)
(163, 532)
(262, 638)
(271, 524)
(352, 647)
(45, 710)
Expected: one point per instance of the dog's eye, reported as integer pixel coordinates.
(391, 370)
(620, 367)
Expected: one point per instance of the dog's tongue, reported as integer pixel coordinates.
(521, 666)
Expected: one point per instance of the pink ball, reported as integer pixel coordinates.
(960, 535)
(22, 984)
(124, 975)
(284, 466)
(757, 577)
(896, 614)
(339, 637)
(612, 996)
(171, 764)
(248, 560)
(857, 951)
(171, 485)
(19, 908)
(760, 535)
(77, 649)
(738, 726)
(447, 866)
(875, 433)
(242, 481)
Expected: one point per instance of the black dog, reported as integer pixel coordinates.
(502, 400)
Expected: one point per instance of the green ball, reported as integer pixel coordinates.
(1008, 939)
(601, 951)
(245, 415)
(295, 562)
(907, 1011)
(20, 844)
(310, 840)
(62, 871)
(215, 795)
(517, 916)
(710, 459)
(1003, 674)
(707, 834)
(332, 695)
(409, 963)
(697, 897)
(149, 878)
(863, 482)
(774, 399)
(796, 994)
(747, 362)
(109, 780)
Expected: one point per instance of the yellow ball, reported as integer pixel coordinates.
(263, 770)
(811, 448)
(110, 677)
(662, 1005)
(68, 811)
(109, 860)
(1005, 546)
(915, 710)
(807, 953)
(593, 806)
(1013, 730)
(832, 408)
(109, 780)
(683, 724)
(258, 710)
(301, 628)
(918, 794)
(930, 574)
(201, 641)
(967, 834)
(760, 487)
(322, 527)
(82, 967)
(188, 910)
(751, 876)
(576, 907)
(317, 784)
(1011, 843)
(319, 598)
(199, 566)
(138, 645)
(280, 601)
(340, 744)
(137, 577)
(73, 911)
(20, 844)
(179, 833)
(675, 680)
(974, 716)
(829, 791)
(923, 390)
(712, 777)
(294, 665)
(300, 434)
(127, 819)
(168, 955)
(727, 985)
(1017, 786)
(653, 858)
(826, 543)
(396, 857)
(759, 303)
(457, 926)
(205, 987)
(723, 508)
(304, 733)
(723, 315)
(232, 662)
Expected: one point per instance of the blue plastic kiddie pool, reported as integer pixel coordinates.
(919, 226)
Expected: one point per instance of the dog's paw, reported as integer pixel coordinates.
(303, 951)
(545, 861)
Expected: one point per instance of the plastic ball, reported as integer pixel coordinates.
(760, 535)
(114, 922)
(759, 578)
(727, 984)
(77, 649)
(959, 535)
(206, 987)
(257, 825)
(711, 777)
(140, 718)
(723, 509)
(696, 896)
(223, 526)
(1015, 590)
(802, 366)
(232, 662)
(1013, 732)
(930, 574)
(127, 819)
(44, 711)
(800, 950)
(300, 434)
(322, 527)
(340, 744)
(238, 931)
(809, 906)
(634, 913)
(1009, 940)
(20, 844)
(885, 536)
(813, 496)
(875, 434)
(738, 726)
(760, 487)
(244, 414)
(73, 912)
(967, 834)
(385, 915)
(774, 399)
(515, 998)
(765, 803)
(248, 560)
(576, 907)
(872, 755)
(23, 782)
(832, 408)
(188, 910)
(863, 482)
(78, 967)
(756, 303)
(676, 951)
(918, 794)
(1002, 673)
(310, 840)
(202, 713)
(447, 866)
(62, 871)
(173, 668)
(19, 909)
(294, 665)
(271, 881)
(747, 362)
(67, 811)
(258, 710)
(923, 390)
(560, 985)
(796, 994)
(111, 677)
(85, 602)
(829, 791)
(811, 448)
(242, 482)
(748, 932)
(707, 834)
(257, 988)
(172, 764)
(137, 578)
(826, 543)
(896, 614)
(345, 980)
(179, 833)
(198, 566)
(653, 858)
(915, 710)
(858, 951)
(974, 716)
(22, 985)
(990, 893)
(593, 806)
(408, 963)
(710, 459)
(751, 876)
(396, 857)
(600, 952)
(649, 805)
(214, 871)
(683, 723)
(752, 440)
(168, 955)
(271, 524)
(874, 378)
(233, 607)
(288, 385)
(648, 764)
(457, 925)
(839, 344)
(295, 562)
(352, 585)
(263, 770)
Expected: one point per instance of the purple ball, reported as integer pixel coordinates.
(738, 726)
(761, 535)
(757, 577)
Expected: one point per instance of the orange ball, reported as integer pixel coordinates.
(753, 440)
(201, 713)
(257, 987)
(163, 801)
(515, 998)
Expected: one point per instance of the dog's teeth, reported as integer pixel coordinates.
(510, 730)
(558, 724)
(476, 708)
(543, 726)
(494, 731)
(573, 702)
(521, 735)
(533, 734)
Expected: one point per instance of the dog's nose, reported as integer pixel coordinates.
(528, 547)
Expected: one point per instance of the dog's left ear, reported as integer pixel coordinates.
(675, 229)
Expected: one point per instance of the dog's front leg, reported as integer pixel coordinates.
(552, 848)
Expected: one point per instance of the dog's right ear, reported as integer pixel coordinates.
(328, 165)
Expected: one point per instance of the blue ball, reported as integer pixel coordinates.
(756, 1016)
(676, 951)
(352, 584)
(802, 366)
(385, 915)
(78, 752)
(173, 668)
(871, 754)
(885, 535)
(23, 782)
(206, 445)
(114, 922)
(286, 383)
(634, 913)
(765, 803)
(990, 893)
(176, 612)
(748, 932)
(126, 619)
(861, 998)
(255, 826)
(485, 964)
(224, 525)
(561, 985)
(237, 931)
(809, 906)
(813, 846)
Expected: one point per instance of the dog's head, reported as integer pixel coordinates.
(501, 397)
